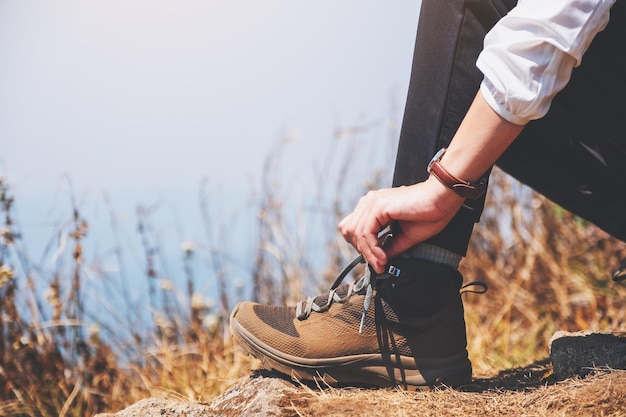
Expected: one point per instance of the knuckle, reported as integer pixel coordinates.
(371, 194)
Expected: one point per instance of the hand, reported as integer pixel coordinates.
(420, 211)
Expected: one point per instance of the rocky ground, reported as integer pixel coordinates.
(580, 389)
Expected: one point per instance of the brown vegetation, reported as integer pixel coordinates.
(519, 392)
(546, 270)
(596, 396)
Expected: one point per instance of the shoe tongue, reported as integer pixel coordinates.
(342, 290)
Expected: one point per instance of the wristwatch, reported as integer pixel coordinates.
(463, 188)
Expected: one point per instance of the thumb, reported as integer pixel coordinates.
(397, 245)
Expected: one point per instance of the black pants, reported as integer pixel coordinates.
(575, 155)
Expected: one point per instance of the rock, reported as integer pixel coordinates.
(160, 407)
(262, 396)
(251, 396)
(578, 354)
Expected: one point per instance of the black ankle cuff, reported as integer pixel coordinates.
(433, 253)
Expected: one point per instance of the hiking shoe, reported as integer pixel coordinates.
(402, 328)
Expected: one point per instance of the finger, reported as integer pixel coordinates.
(398, 245)
(346, 229)
(375, 256)
(361, 229)
(348, 226)
(368, 243)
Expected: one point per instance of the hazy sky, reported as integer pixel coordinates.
(144, 99)
(137, 94)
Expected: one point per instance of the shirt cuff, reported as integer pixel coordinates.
(489, 93)
(529, 54)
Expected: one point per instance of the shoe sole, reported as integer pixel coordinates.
(368, 369)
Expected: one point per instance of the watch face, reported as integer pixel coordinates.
(437, 157)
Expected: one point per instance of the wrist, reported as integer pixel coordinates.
(443, 197)
(462, 187)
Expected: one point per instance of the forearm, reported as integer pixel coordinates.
(480, 140)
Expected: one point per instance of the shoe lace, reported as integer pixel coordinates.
(365, 282)
(474, 287)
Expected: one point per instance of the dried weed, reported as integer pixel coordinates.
(547, 270)
(600, 394)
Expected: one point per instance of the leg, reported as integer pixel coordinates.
(444, 81)
(578, 150)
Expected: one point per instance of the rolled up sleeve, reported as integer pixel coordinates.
(529, 54)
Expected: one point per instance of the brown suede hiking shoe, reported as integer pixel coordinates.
(404, 328)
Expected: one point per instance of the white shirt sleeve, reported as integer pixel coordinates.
(529, 54)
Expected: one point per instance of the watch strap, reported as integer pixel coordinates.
(465, 189)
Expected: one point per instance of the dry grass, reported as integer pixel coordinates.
(599, 395)
(546, 269)
(552, 272)
(517, 392)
